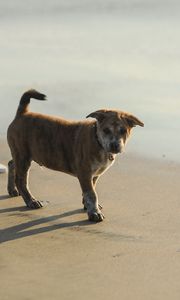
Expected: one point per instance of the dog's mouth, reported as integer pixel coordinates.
(116, 151)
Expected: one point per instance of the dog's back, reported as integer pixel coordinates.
(48, 140)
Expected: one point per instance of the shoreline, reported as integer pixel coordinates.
(86, 56)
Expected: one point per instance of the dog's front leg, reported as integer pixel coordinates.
(90, 199)
(95, 179)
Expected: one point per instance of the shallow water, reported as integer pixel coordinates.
(86, 55)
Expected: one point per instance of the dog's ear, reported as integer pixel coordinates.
(132, 120)
(99, 115)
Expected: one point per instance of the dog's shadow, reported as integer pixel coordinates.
(4, 197)
(25, 229)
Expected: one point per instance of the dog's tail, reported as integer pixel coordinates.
(25, 100)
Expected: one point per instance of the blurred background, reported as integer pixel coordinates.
(91, 54)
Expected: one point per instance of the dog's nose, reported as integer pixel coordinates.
(115, 147)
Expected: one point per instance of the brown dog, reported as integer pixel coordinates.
(83, 149)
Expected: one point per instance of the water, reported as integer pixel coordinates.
(87, 55)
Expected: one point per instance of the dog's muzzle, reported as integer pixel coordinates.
(115, 147)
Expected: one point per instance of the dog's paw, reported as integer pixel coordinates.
(96, 216)
(35, 204)
(13, 193)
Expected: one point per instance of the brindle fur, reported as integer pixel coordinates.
(81, 149)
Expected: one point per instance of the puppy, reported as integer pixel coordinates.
(84, 149)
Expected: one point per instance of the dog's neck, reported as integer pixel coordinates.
(110, 155)
(97, 139)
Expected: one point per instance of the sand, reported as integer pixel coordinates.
(55, 253)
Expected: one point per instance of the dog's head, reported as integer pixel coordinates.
(113, 128)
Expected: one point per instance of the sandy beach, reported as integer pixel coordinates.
(55, 253)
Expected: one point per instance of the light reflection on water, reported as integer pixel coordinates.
(102, 54)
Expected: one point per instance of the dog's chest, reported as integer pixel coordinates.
(99, 167)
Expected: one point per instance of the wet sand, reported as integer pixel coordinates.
(55, 253)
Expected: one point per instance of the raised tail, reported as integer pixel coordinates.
(25, 100)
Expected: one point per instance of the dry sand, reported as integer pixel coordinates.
(55, 253)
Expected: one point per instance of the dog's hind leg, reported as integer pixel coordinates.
(12, 190)
(22, 168)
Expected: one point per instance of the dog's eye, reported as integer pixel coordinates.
(106, 130)
(123, 131)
